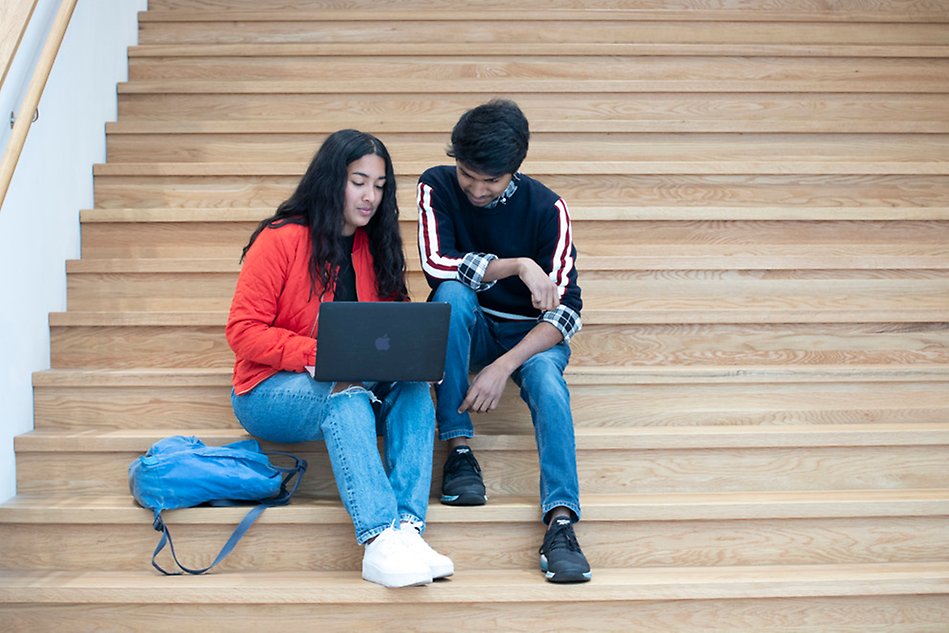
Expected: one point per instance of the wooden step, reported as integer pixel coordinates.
(691, 10)
(798, 191)
(582, 213)
(898, 596)
(196, 339)
(104, 284)
(609, 298)
(709, 263)
(515, 49)
(679, 74)
(546, 25)
(648, 112)
(607, 240)
(174, 153)
(704, 165)
(826, 72)
(610, 461)
(651, 396)
(631, 531)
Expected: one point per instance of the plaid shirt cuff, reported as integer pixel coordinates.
(472, 269)
(564, 319)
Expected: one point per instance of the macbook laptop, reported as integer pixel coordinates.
(381, 341)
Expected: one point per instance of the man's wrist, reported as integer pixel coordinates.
(505, 364)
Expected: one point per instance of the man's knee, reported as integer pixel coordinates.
(542, 376)
(456, 294)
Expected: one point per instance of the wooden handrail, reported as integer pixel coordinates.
(18, 18)
(32, 98)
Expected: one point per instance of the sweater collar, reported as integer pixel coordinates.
(506, 194)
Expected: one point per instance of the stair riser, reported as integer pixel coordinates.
(510, 472)
(123, 347)
(237, 146)
(197, 239)
(711, 112)
(590, 190)
(553, 31)
(271, 547)
(892, 613)
(743, 299)
(209, 407)
(688, 73)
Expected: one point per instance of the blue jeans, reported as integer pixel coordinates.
(474, 341)
(376, 490)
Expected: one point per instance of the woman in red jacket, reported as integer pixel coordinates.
(337, 239)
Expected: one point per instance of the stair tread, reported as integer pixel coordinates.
(738, 166)
(661, 257)
(480, 585)
(514, 49)
(673, 374)
(579, 213)
(666, 506)
(685, 12)
(855, 85)
(634, 438)
(565, 12)
(711, 310)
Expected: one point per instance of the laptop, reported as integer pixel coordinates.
(381, 341)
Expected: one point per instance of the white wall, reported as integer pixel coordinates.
(39, 221)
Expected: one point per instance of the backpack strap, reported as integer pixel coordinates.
(295, 473)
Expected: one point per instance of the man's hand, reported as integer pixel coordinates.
(544, 293)
(485, 390)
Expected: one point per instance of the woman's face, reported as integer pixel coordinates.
(366, 178)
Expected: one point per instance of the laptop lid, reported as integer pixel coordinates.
(381, 341)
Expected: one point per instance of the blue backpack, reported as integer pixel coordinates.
(182, 472)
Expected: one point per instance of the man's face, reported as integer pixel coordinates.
(480, 188)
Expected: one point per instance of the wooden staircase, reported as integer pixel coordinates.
(760, 195)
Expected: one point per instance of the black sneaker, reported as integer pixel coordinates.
(560, 556)
(462, 484)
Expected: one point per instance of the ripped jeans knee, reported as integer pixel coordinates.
(350, 390)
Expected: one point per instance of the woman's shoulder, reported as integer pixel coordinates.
(283, 234)
(282, 241)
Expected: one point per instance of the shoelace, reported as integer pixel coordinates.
(458, 462)
(560, 537)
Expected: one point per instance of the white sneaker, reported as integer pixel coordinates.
(440, 565)
(388, 561)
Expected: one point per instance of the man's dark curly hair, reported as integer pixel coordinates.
(491, 138)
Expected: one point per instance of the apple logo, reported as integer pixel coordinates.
(382, 343)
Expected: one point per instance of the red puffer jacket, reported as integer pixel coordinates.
(273, 320)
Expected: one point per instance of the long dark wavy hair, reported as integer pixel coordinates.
(318, 204)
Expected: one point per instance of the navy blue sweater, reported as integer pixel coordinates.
(457, 240)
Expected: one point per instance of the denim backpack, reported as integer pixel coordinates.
(182, 472)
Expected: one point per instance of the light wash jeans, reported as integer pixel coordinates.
(376, 490)
(474, 341)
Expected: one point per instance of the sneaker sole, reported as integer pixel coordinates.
(569, 577)
(379, 577)
(564, 576)
(464, 500)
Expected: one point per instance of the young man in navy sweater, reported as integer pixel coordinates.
(497, 245)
